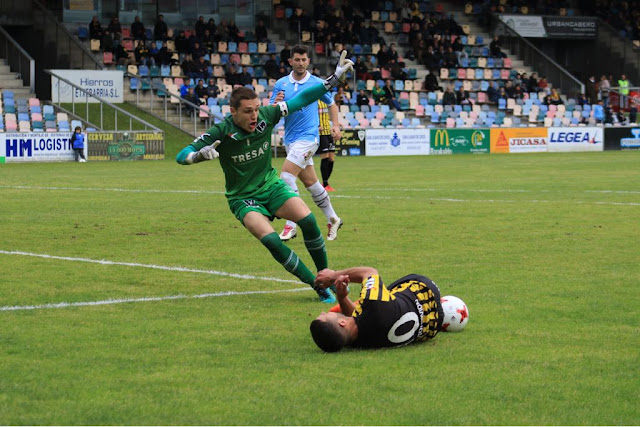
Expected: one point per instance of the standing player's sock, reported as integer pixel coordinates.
(324, 171)
(330, 168)
(321, 199)
(287, 258)
(314, 241)
(292, 182)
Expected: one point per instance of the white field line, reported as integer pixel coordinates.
(145, 299)
(374, 197)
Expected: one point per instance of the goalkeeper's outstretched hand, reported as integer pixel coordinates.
(344, 66)
(205, 153)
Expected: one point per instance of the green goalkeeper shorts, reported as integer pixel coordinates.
(266, 202)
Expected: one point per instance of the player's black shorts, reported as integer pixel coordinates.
(326, 145)
(428, 294)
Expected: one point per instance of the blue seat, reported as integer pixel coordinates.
(83, 33)
(502, 104)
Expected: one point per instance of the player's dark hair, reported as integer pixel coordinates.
(239, 94)
(300, 49)
(329, 336)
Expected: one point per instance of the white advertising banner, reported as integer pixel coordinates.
(396, 142)
(575, 139)
(525, 25)
(108, 85)
(36, 147)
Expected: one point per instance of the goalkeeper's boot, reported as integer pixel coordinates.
(288, 233)
(334, 225)
(326, 296)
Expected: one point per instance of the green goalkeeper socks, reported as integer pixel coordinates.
(287, 258)
(314, 241)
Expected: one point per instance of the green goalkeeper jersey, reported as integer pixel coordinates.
(245, 157)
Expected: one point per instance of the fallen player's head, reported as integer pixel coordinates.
(328, 333)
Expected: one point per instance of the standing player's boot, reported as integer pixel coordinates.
(288, 233)
(334, 225)
(326, 296)
(329, 188)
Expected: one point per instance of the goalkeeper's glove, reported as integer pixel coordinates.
(205, 153)
(344, 66)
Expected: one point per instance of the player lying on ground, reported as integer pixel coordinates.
(255, 193)
(408, 310)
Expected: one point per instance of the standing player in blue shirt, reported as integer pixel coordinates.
(301, 139)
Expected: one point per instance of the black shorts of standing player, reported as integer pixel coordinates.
(428, 294)
(326, 145)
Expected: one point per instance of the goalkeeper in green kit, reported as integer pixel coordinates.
(254, 191)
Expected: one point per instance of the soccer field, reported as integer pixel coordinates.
(129, 294)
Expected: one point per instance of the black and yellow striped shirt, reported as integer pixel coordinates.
(408, 312)
(325, 122)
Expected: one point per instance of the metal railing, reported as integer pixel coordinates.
(79, 56)
(170, 102)
(534, 57)
(103, 103)
(18, 59)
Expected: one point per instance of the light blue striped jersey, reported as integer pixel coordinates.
(303, 124)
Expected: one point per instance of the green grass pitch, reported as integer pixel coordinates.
(543, 248)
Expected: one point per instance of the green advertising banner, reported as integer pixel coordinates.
(459, 141)
(132, 145)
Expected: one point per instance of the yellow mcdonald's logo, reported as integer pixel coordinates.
(441, 138)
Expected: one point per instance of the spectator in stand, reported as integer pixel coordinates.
(598, 112)
(383, 56)
(153, 50)
(181, 42)
(234, 32)
(362, 98)
(379, 94)
(160, 29)
(517, 81)
(542, 83)
(221, 33)
(340, 98)
(592, 90)
(450, 58)
(518, 92)
(212, 89)
(461, 55)
(211, 26)
(200, 90)
(502, 93)
(197, 51)
(137, 29)
(396, 71)
(107, 43)
(430, 59)
(122, 56)
(201, 69)
(604, 88)
(508, 87)
(285, 54)
(200, 27)
(244, 78)
(553, 98)
(462, 97)
(208, 41)
(95, 28)
(271, 67)
(492, 93)
(495, 48)
(188, 66)
(431, 82)
(184, 89)
(141, 52)
(532, 83)
(163, 57)
(361, 70)
(582, 100)
(261, 32)
(231, 76)
(449, 97)
(390, 95)
(371, 68)
(193, 98)
(393, 54)
(115, 28)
